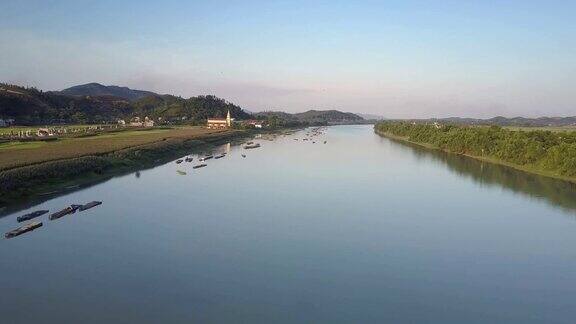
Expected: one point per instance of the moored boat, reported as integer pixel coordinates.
(188, 159)
(30, 216)
(23, 229)
(90, 205)
(243, 155)
(181, 172)
(179, 161)
(64, 212)
(208, 157)
(219, 156)
(247, 147)
(199, 166)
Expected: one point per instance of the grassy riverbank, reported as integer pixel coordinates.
(547, 153)
(58, 166)
(17, 154)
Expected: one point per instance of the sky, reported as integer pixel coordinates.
(397, 59)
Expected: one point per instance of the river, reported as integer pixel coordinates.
(361, 229)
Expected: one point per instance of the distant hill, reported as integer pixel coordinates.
(329, 116)
(313, 117)
(30, 106)
(371, 117)
(275, 114)
(195, 108)
(97, 89)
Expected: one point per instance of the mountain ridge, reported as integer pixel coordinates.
(97, 89)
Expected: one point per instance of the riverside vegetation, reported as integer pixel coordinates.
(55, 165)
(539, 151)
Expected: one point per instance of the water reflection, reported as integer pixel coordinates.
(557, 193)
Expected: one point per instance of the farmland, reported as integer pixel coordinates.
(16, 154)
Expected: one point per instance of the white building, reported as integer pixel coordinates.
(220, 123)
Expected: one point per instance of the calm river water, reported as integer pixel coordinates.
(359, 230)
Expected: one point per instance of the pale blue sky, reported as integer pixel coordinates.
(393, 58)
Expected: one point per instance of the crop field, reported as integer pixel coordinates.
(14, 154)
(544, 128)
(16, 129)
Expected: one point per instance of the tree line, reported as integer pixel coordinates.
(537, 149)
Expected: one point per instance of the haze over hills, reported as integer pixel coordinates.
(97, 103)
(97, 89)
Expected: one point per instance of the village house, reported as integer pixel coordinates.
(220, 123)
(135, 122)
(148, 122)
(44, 132)
(254, 123)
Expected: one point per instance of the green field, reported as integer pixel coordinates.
(21, 145)
(544, 128)
(8, 130)
(15, 154)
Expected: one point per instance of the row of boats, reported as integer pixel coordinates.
(314, 132)
(249, 145)
(59, 214)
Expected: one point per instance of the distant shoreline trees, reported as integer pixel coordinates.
(537, 149)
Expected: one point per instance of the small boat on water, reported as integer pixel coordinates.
(23, 229)
(90, 205)
(30, 216)
(188, 159)
(249, 143)
(243, 155)
(219, 156)
(208, 157)
(179, 161)
(199, 166)
(247, 147)
(181, 172)
(324, 142)
(68, 210)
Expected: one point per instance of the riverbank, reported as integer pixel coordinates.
(17, 154)
(528, 169)
(105, 159)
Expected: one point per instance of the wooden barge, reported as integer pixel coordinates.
(23, 229)
(30, 216)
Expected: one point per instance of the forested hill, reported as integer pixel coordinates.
(96, 89)
(313, 117)
(330, 116)
(30, 106)
(196, 108)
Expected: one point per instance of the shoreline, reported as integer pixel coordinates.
(27, 185)
(480, 158)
